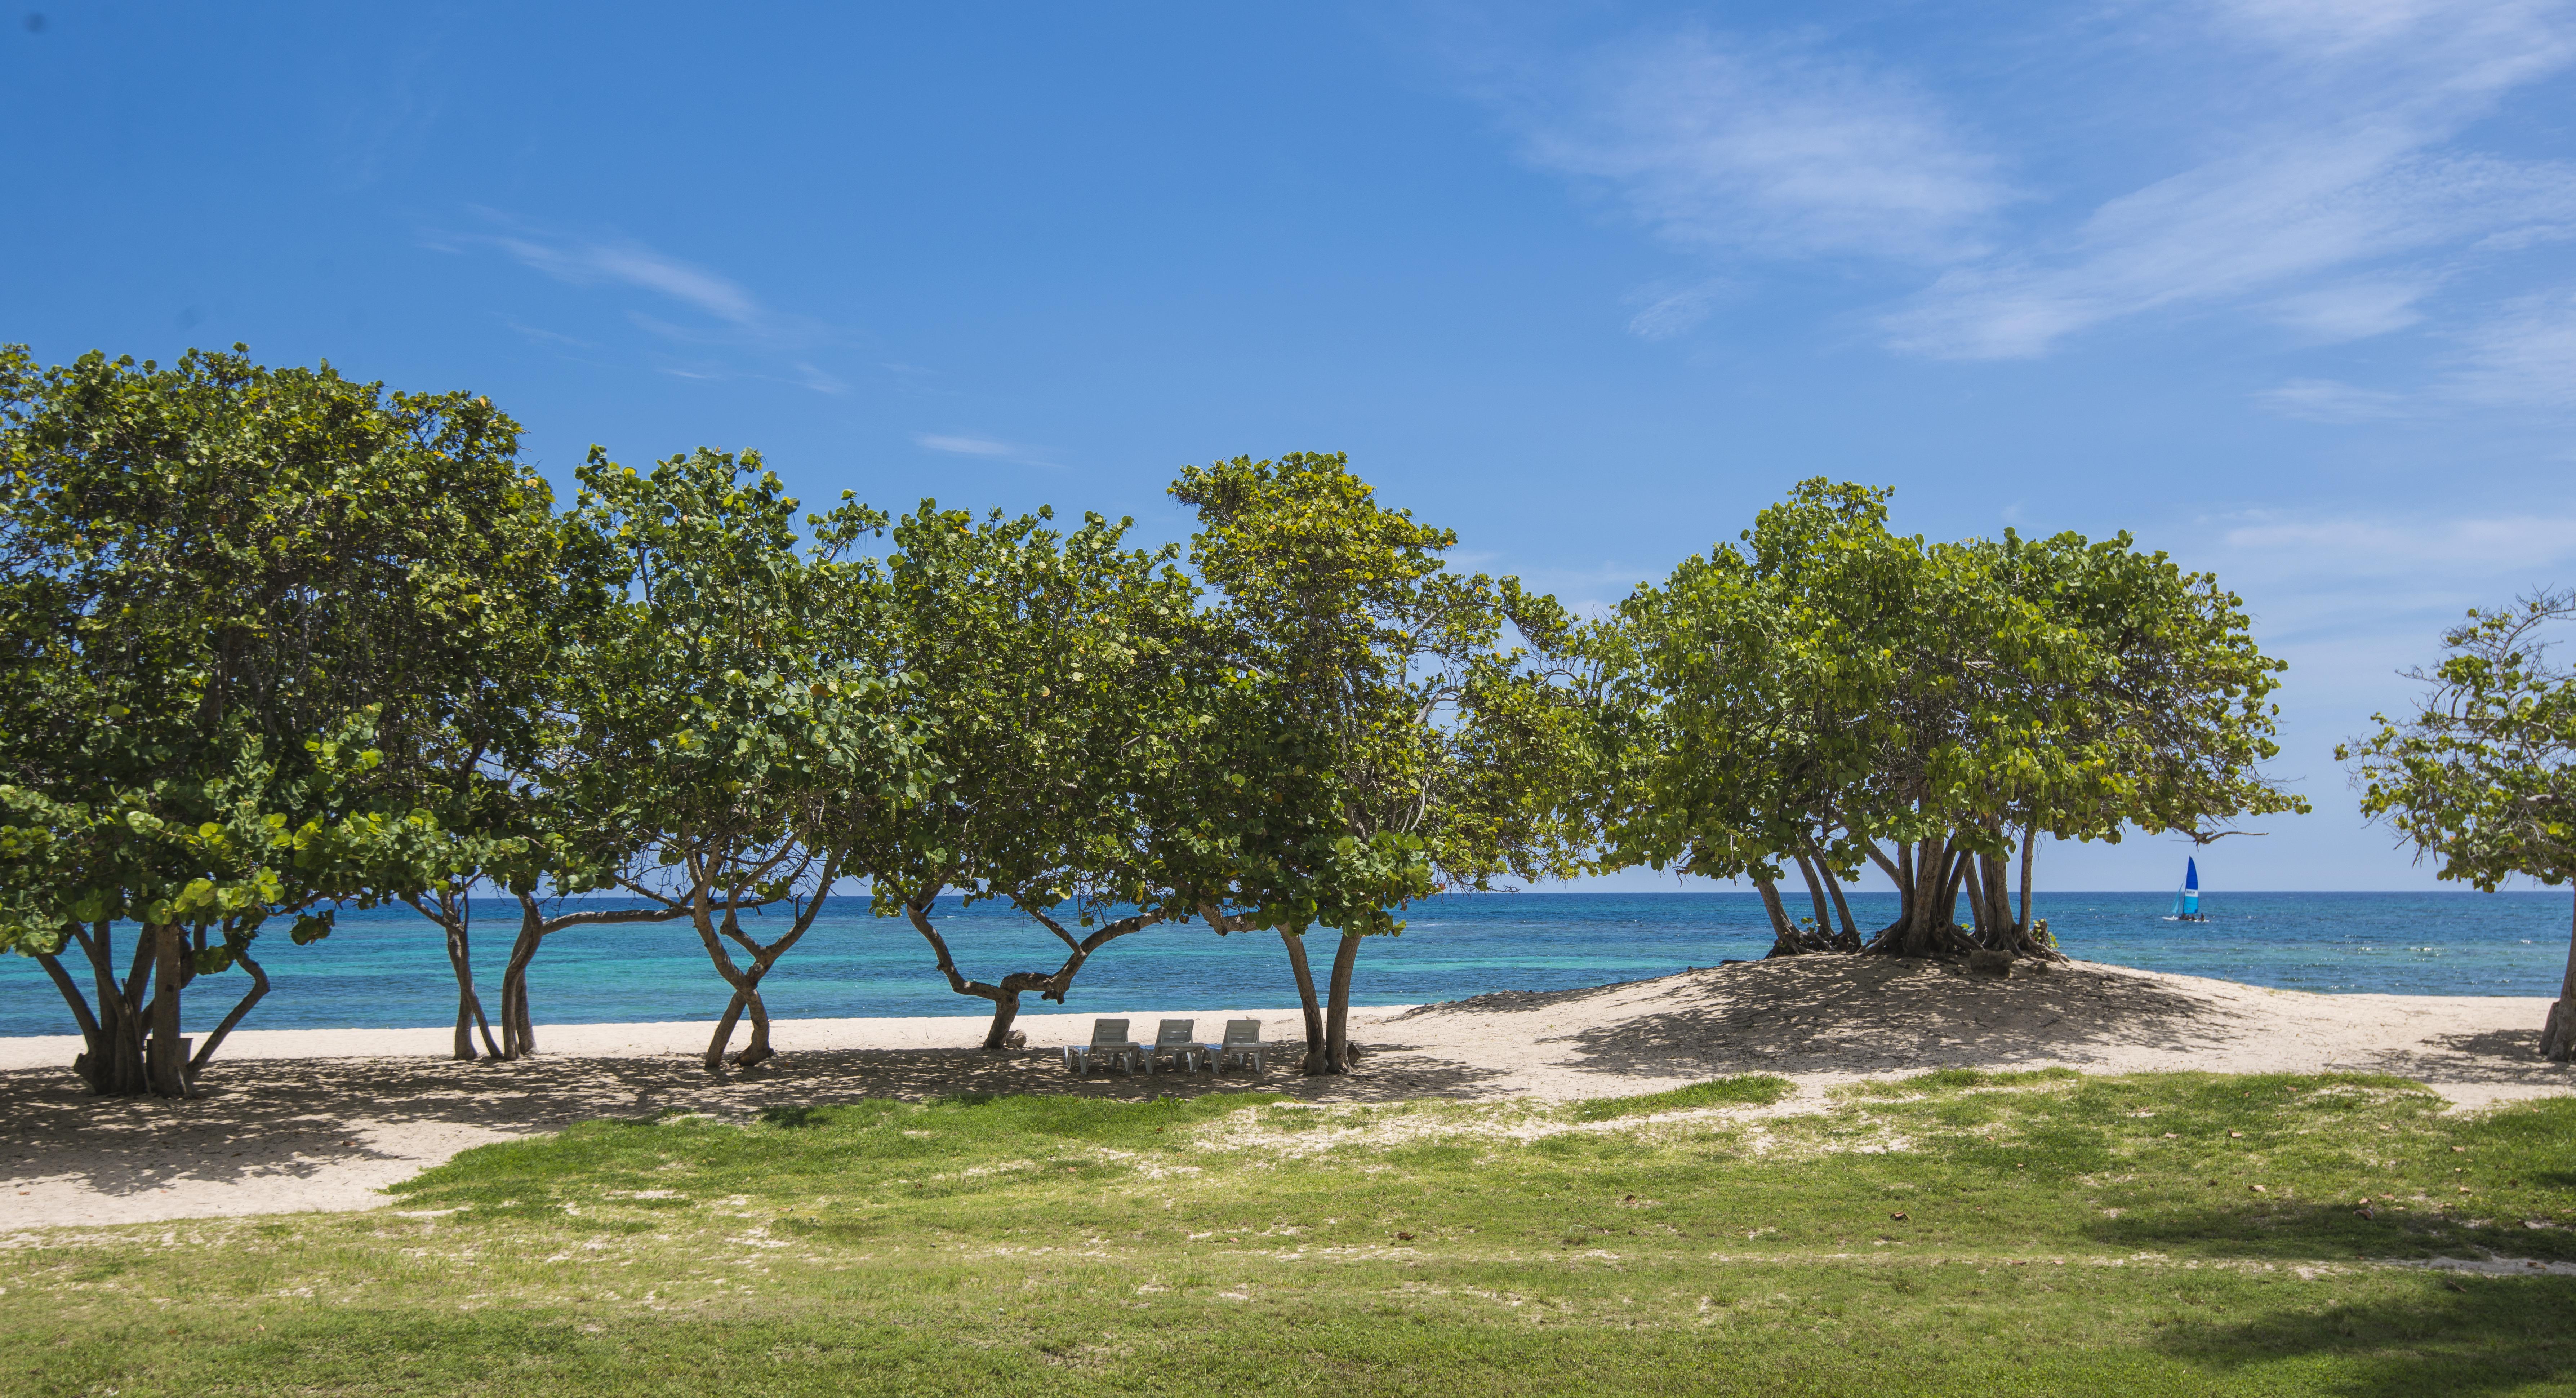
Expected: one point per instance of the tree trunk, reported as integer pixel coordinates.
(1952, 885)
(1824, 934)
(746, 996)
(1931, 885)
(1337, 1040)
(518, 1028)
(757, 1050)
(120, 1013)
(93, 1043)
(1307, 1001)
(746, 980)
(1006, 1008)
(1997, 878)
(258, 988)
(1975, 887)
(164, 1064)
(1051, 985)
(2008, 929)
(1849, 940)
(1924, 929)
(1784, 938)
(455, 916)
(2029, 846)
(2558, 1032)
(724, 1032)
(1900, 872)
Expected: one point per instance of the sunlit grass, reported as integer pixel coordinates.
(1970, 1232)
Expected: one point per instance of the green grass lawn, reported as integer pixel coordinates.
(1958, 1232)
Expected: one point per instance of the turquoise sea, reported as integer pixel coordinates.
(387, 968)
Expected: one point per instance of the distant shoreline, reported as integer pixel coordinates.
(387, 968)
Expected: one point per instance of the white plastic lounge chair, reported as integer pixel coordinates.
(1177, 1040)
(1243, 1045)
(1109, 1039)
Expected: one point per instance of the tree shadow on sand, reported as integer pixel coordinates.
(1869, 1015)
(298, 1119)
(2496, 1057)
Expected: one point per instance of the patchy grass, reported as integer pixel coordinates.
(1974, 1233)
(1750, 1090)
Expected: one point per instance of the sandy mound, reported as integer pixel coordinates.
(1834, 1017)
(323, 1119)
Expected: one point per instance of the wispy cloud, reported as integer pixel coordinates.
(1666, 311)
(2331, 400)
(2525, 357)
(2354, 310)
(2352, 599)
(2345, 167)
(2240, 230)
(543, 336)
(2342, 547)
(1725, 144)
(729, 315)
(2329, 192)
(633, 264)
(2520, 355)
(990, 449)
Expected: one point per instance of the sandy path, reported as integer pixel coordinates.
(323, 1119)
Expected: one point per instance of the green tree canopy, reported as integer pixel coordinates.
(1830, 693)
(1385, 741)
(1048, 675)
(717, 709)
(245, 609)
(2482, 776)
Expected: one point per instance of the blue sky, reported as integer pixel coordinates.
(2284, 287)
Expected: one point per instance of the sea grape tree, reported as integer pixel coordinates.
(2482, 775)
(716, 711)
(242, 605)
(1057, 705)
(1386, 741)
(1828, 694)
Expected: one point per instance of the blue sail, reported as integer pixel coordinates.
(2187, 898)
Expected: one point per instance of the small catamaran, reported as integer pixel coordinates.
(2186, 906)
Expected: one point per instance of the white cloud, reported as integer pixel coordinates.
(547, 337)
(1668, 312)
(2245, 227)
(2353, 310)
(2343, 167)
(2523, 358)
(2523, 355)
(958, 444)
(734, 318)
(633, 264)
(2330, 400)
(2315, 175)
(1723, 145)
(2345, 547)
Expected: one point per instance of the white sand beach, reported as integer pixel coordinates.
(325, 1118)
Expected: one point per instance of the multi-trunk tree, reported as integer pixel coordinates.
(2482, 776)
(241, 607)
(1829, 695)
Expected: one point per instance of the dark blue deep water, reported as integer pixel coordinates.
(387, 968)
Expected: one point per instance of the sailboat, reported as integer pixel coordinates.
(2186, 907)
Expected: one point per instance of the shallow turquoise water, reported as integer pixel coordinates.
(388, 968)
